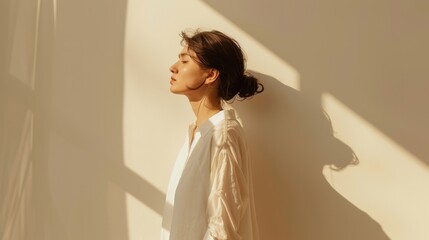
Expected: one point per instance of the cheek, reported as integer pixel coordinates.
(182, 70)
(189, 73)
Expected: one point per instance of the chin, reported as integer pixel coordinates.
(173, 90)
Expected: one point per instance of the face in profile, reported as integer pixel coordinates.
(187, 75)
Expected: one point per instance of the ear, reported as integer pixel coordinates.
(212, 76)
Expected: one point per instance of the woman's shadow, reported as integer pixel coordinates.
(291, 140)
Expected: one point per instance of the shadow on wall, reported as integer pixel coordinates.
(291, 141)
(69, 168)
(371, 55)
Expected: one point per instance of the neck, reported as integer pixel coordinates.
(204, 108)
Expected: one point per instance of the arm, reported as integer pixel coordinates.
(228, 199)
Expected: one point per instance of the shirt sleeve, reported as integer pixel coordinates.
(228, 197)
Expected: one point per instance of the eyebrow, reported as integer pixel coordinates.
(183, 54)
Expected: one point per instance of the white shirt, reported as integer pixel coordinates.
(210, 193)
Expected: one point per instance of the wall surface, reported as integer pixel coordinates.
(89, 130)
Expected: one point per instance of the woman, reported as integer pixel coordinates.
(210, 193)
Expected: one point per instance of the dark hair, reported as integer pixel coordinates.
(216, 50)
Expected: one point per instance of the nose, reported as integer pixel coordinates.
(173, 68)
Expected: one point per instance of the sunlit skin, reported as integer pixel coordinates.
(186, 79)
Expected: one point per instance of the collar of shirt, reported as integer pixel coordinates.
(214, 120)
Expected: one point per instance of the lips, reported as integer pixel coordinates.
(172, 79)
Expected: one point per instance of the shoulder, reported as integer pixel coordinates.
(229, 131)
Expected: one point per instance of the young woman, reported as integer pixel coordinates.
(210, 193)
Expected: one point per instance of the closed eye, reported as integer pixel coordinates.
(183, 57)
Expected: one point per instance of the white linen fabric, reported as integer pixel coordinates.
(210, 193)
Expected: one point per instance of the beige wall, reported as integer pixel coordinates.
(89, 130)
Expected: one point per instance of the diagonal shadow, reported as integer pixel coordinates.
(364, 53)
(77, 181)
(139, 188)
(80, 180)
(291, 141)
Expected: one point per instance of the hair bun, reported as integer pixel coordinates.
(250, 86)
